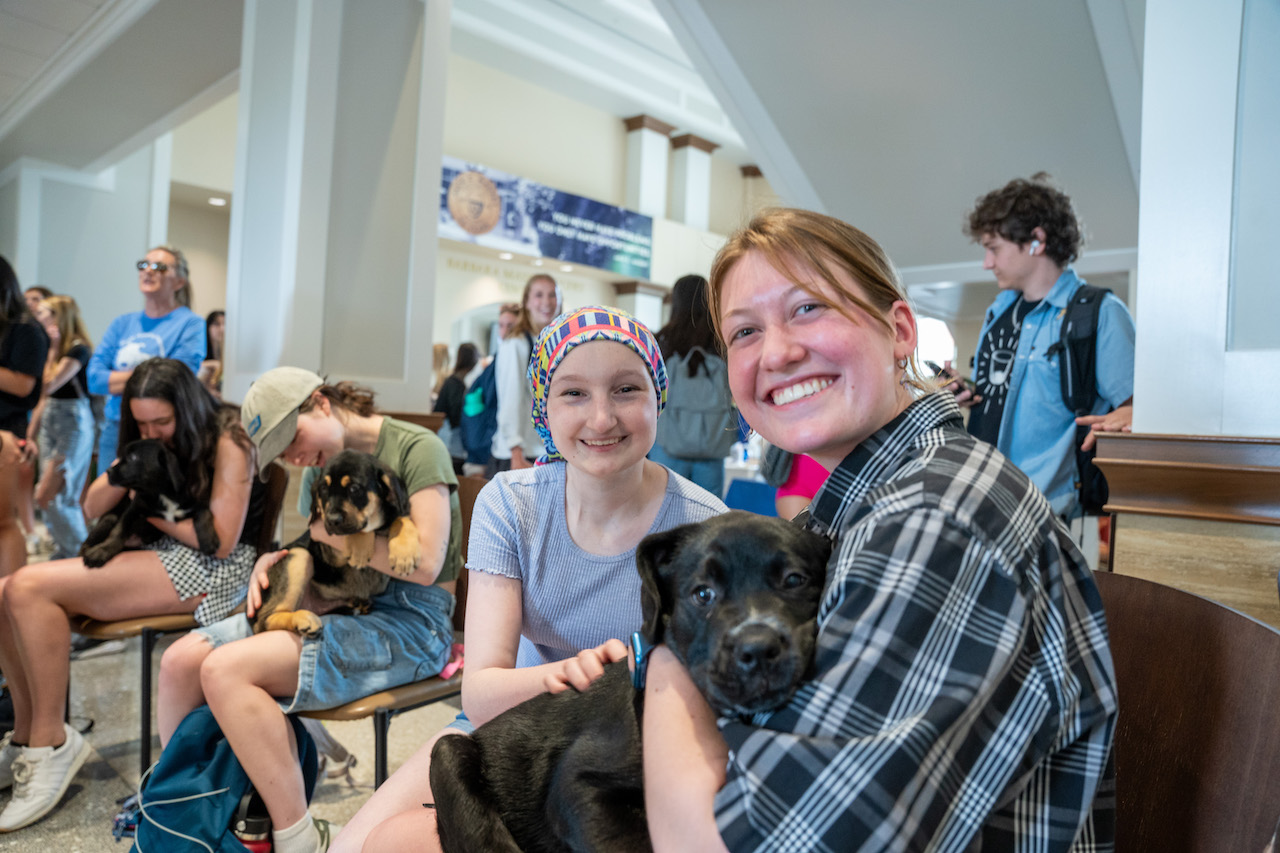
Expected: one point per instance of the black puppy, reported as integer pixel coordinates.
(153, 473)
(736, 600)
(358, 497)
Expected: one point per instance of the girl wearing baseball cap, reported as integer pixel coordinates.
(250, 681)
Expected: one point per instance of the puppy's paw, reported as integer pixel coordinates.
(403, 547)
(96, 556)
(359, 549)
(302, 622)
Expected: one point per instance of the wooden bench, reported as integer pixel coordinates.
(385, 704)
(152, 628)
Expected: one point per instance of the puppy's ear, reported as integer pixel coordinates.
(654, 556)
(395, 496)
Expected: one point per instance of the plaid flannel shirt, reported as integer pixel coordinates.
(965, 696)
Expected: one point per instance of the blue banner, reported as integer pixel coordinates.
(501, 211)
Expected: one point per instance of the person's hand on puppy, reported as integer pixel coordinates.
(258, 580)
(585, 667)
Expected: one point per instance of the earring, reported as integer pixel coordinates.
(902, 365)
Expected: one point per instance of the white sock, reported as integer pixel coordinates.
(302, 837)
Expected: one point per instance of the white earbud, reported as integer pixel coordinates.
(1035, 244)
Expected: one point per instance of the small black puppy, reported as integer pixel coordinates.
(358, 497)
(736, 600)
(153, 473)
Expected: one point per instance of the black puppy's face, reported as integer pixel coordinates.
(355, 493)
(146, 465)
(736, 599)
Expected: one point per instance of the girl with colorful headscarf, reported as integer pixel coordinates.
(553, 585)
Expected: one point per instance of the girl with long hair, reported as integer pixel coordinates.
(449, 399)
(694, 443)
(250, 681)
(515, 443)
(65, 425)
(24, 347)
(161, 400)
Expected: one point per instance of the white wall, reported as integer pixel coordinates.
(91, 237)
(204, 148)
(9, 223)
(201, 233)
(514, 126)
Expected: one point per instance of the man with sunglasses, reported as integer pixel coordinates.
(166, 327)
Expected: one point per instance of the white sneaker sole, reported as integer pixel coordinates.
(76, 764)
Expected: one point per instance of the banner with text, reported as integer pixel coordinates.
(501, 211)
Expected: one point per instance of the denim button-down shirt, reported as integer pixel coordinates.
(1037, 430)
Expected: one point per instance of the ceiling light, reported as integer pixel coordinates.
(217, 202)
(505, 256)
(537, 262)
(566, 268)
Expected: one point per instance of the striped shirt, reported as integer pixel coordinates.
(965, 697)
(572, 599)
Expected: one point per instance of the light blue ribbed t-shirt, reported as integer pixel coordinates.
(572, 600)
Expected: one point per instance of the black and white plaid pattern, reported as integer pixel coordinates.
(222, 582)
(965, 697)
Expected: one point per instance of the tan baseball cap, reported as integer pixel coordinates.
(270, 409)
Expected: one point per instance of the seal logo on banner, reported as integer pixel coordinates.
(474, 202)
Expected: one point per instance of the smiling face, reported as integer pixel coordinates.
(319, 438)
(155, 418)
(45, 317)
(602, 410)
(813, 374)
(542, 303)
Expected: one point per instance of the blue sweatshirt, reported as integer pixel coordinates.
(133, 338)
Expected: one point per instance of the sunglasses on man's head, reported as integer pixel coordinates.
(158, 266)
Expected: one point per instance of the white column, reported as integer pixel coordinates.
(333, 238)
(643, 301)
(647, 154)
(691, 180)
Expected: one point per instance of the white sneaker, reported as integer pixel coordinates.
(8, 752)
(41, 776)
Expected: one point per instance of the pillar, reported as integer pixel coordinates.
(647, 154)
(333, 238)
(691, 180)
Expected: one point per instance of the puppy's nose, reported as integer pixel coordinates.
(756, 646)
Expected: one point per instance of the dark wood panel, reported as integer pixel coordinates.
(1218, 478)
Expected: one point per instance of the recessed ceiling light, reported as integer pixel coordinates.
(566, 268)
(505, 256)
(537, 262)
(217, 202)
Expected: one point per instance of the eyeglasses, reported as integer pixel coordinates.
(158, 266)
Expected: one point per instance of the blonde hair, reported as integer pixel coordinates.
(524, 326)
(71, 328)
(791, 239)
(439, 366)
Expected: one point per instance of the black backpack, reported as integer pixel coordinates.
(1077, 344)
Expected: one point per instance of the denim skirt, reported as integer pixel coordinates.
(406, 637)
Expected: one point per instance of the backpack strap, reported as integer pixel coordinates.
(1077, 343)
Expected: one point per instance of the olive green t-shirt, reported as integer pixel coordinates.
(421, 459)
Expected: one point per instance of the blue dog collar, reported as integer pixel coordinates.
(640, 648)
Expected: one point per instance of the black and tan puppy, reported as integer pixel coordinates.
(736, 600)
(358, 497)
(152, 472)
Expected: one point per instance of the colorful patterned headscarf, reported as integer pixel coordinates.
(591, 323)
